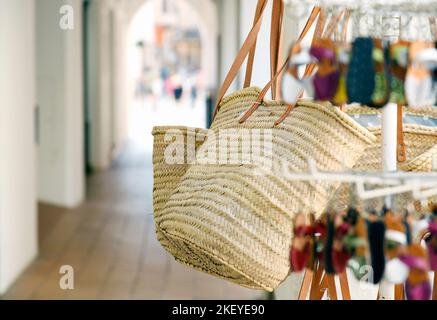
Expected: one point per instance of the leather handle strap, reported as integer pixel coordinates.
(317, 12)
(401, 148)
(241, 56)
(275, 41)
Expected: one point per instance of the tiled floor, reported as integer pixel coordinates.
(110, 242)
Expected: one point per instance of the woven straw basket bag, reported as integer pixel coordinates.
(230, 215)
(234, 223)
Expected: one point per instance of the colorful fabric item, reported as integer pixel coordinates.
(376, 231)
(417, 286)
(356, 243)
(361, 72)
(326, 79)
(398, 69)
(381, 91)
(340, 252)
(343, 57)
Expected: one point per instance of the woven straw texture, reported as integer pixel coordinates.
(234, 220)
(166, 175)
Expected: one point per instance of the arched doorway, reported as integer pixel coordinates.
(172, 63)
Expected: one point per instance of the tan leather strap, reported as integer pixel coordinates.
(344, 286)
(241, 56)
(347, 16)
(310, 68)
(261, 5)
(249, 47)
(399, 292)
(275, 41)
(306, 284)
(332, 25)
(314, 14)
(401, 149)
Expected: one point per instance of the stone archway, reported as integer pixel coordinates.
(207, 15)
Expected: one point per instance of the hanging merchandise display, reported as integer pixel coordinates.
(225, 204)
(218, 209)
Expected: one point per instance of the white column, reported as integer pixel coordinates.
(60, 99)
(261, 70)
(18, 223)
(99, 89)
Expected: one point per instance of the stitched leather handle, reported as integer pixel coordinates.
(248, 47)
(401, 148)
(275, 41)
(317, 12)
(318, 33)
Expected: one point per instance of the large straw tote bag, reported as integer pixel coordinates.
(234, 219)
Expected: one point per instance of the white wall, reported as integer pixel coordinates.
(261, 70)
(18, 223)
(106, 54)
(229, 38)
(60, 98)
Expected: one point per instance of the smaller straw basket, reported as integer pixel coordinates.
(421, 147)
(234, 219)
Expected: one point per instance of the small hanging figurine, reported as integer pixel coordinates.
(417, 286)
(327, 76)
(302, 248)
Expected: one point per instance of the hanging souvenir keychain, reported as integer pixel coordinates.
(375, 238)
(395, 246)
(326, 79)
(360, 80)
(292, 83)
(302, 248)
(356, 242)
(420, 87)
(398, 70)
